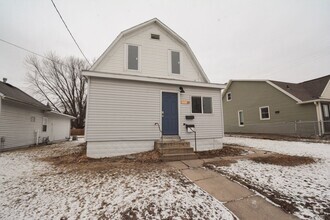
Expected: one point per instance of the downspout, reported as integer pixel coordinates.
(319, 118)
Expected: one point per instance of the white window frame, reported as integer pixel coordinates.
(260, 114)
(44, 122)
(239, 119)
(201, 104)
(169, 56)
(228, 100)
(126, 57)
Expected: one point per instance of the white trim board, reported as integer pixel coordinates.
(152, 79)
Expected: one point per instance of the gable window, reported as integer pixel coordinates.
(44, 124)
(201, 104)
(264, 113)
(228, 95)
(175, 62)
(240, 118)
(133, 57)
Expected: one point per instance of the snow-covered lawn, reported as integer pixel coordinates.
(34, 189)
(306, 186)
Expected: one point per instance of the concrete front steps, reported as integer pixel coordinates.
(173, 149)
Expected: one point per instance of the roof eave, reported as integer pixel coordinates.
(26, 103)
(152, 79)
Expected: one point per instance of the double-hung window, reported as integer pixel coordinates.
(44, 124)
(264, 113)
(175, 65)
(133, 57)
(201, 104)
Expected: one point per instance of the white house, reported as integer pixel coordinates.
(25, 121)
(147, 77)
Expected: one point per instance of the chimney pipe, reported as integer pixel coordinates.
(4, 80)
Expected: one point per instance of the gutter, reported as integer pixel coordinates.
(152, 79)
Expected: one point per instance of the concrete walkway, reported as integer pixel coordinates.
(244, 203)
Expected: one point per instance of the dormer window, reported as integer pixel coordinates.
(175, 62)
(133, 57)
(155, 36)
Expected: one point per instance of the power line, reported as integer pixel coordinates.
(27, 50)
(58, 12)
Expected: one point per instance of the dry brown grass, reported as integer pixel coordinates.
(284, 160)
(226, 151)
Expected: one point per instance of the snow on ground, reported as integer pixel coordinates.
(307, 186)
(33, 189)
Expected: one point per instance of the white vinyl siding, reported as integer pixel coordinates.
(19, 130)
(154, 58)
(127, 110)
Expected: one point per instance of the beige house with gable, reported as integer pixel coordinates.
(267, 106)
(148, 84)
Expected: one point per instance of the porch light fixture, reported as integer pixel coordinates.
(181, 89)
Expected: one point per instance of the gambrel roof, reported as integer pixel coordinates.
(166, 29)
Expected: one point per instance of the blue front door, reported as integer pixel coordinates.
(170, 113)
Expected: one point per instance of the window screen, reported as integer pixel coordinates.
(196, 104)
(133, 57)
(175, 60)
(264, 113)
(207, 105)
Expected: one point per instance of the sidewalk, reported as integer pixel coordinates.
(244, 203)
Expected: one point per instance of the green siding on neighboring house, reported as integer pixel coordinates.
(249, 96)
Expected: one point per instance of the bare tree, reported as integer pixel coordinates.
(59, 82)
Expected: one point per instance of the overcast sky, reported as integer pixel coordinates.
(286, 40)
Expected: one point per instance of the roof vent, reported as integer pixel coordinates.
(155, 36)
(4, 80)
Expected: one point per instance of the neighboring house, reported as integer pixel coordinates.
(147, 77)
(25, 121)
(266, 106)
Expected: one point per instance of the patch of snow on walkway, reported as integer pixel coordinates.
(307, 186)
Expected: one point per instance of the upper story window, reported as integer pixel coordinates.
(175, 62)
(228, 95)
(201, 104)
(133, 57)
(264, 113)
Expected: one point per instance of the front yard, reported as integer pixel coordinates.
(51, 183)
(303, 190)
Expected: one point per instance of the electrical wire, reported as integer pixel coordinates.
(58, 12)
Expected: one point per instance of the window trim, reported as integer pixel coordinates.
(239, 119)
(44, 119)
(126, 57)
(260, 113)
(191, 110)
(170, 62)
(229, 93)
